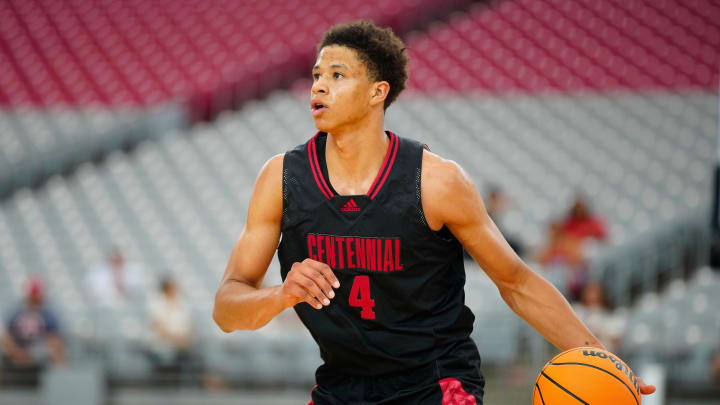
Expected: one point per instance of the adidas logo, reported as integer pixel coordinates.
(350, 206)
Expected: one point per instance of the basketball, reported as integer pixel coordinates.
(586, 375)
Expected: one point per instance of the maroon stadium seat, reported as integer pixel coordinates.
(568, 45)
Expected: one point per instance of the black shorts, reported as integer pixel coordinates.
(431, 385)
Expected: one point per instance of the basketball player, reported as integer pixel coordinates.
(371, 227)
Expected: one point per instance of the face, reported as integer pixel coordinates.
(170, 290)
(35, 301)
(342, 95)
(117, 261)
(579, 209)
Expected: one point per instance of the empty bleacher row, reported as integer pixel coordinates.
(634, 155)
(81, 79)
(177, 204)
(74, 52)
(679, 328)
(569, 45)
(78, 58)
(36, 144)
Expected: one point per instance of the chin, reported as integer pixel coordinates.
(323, 126)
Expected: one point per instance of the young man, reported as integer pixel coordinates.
(372, 230)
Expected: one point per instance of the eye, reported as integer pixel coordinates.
(316, 76)
(338, 75)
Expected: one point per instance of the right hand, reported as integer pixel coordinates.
(310, 281)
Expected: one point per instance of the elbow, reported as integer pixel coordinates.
(508, 296)
(514, 284)
(233, 311)
(227, 324)
(512, 281)
(221, 321)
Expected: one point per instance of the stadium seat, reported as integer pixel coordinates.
(564, 45)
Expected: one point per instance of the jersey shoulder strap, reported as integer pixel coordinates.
(298, 187)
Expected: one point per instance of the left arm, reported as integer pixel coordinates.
(451, 199)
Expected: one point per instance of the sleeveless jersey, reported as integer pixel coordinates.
(400, 304)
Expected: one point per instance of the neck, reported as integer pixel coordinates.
(354, 157)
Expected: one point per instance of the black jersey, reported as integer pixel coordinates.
(400, 305)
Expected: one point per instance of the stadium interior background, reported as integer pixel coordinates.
(131, 132)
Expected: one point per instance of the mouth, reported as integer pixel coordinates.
(317, 108)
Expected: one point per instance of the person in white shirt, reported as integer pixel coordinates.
(114, 282)
(172, 337)
(593, 310)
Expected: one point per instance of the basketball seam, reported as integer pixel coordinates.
(604, 371)
(540, 393)
(563, 388)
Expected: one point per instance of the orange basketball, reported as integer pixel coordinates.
(586, 375)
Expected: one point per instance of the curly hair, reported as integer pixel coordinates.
(382, 52)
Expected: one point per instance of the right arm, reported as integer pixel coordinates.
(240, 303)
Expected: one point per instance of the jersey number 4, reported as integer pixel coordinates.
(360, 297)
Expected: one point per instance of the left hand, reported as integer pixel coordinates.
(646, 389)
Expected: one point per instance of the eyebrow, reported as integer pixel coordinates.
(334, 66)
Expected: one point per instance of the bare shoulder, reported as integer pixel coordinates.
(442, 176)
(273, 167)
(270, 177)
(445, 187)
(266, 199)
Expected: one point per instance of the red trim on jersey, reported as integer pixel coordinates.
(379, 179)
(394, 148)
(311, 391)
(319, 171)
(315, 167)
(384, 165)
(454, 394)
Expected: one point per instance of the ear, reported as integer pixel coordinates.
(379, 93)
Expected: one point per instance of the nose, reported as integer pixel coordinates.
(319, 86)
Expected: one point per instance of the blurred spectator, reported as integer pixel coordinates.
(595, 312)
(31, 339)
(114, 282)
(496, 205)
(562, 256)
(172, 332)
(582, 223)
(496, 202)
